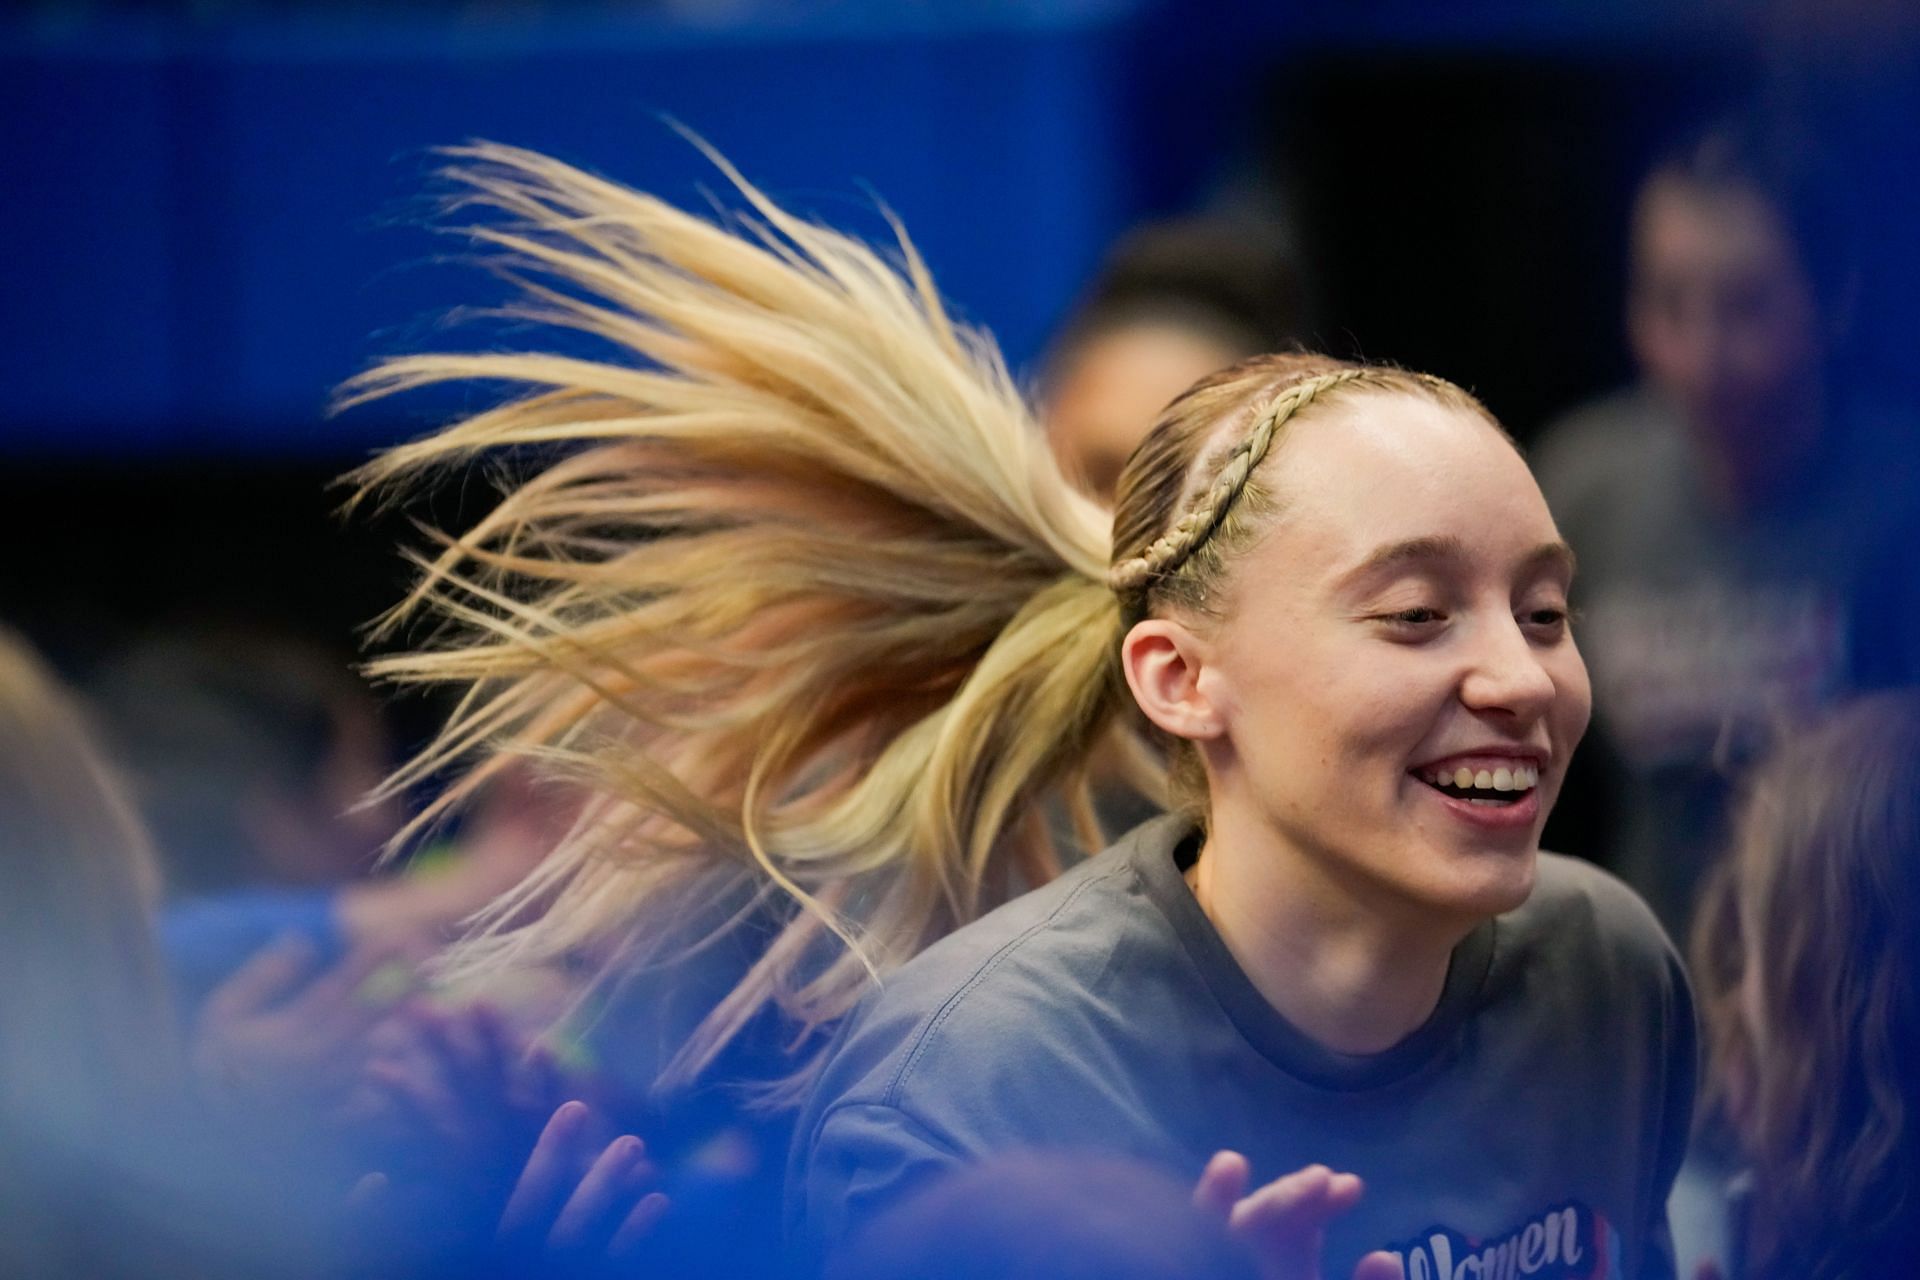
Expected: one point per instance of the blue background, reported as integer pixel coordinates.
(214, 219)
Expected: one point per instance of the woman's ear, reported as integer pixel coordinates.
(1164, 662)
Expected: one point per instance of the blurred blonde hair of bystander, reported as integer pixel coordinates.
(88, 1050)
(85, 991)
(1807, 953)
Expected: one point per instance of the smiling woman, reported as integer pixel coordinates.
(1400, 608)
(816, 612)
(1344, 611)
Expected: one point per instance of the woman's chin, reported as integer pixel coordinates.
(1483, 883)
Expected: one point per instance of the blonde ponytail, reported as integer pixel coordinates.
(796, 588)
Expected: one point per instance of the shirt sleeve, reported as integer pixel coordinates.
(865, 1157)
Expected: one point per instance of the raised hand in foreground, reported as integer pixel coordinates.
(1284, 1223)
(287, 1035)
(458, 1095)
(580, 1208)
(578, 1204)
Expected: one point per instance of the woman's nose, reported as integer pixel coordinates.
(1508, 675)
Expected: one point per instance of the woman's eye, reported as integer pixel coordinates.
(1414, 617)
(1545, 619)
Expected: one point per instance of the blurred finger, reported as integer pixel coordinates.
(338, 991)
(415, 1092)
(269, 976)
(1380, 1266)
(451, 1051)
(472, 1068)
(1297, 1200)
(1343, 1192)
(638, 1227)
(1284, 1222)
(370, 1211)
(1221, 1184)
(432, 1063)
(549, 1175)
(329, 1018)
(596, 1208)
(369, 1191)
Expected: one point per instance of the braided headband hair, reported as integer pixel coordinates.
(1132, 578)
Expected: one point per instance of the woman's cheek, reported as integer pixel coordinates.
(1574, 700)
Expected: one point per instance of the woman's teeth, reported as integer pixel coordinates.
(1501, 778)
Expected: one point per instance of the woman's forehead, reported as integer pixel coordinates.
(1377, 439)
(1406, 471)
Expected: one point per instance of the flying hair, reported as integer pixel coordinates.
(793, 587)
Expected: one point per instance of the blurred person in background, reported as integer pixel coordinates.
(117, 1158)
(128, 1149)
(1172, 302)
(1807, 953)
(253, 749)
(258, 756)
(1744, 513)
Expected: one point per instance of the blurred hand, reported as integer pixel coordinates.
(458, 1095)
(580, 1207)
(280, 1031)
(1284, 1224)
(579, 1204)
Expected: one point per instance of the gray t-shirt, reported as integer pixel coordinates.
(1532, 1126)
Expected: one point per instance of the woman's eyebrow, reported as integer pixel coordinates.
(1440, 551)
(1436, 550)
(1557, 556)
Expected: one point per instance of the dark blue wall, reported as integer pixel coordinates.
(212, 227)
(210, 222)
